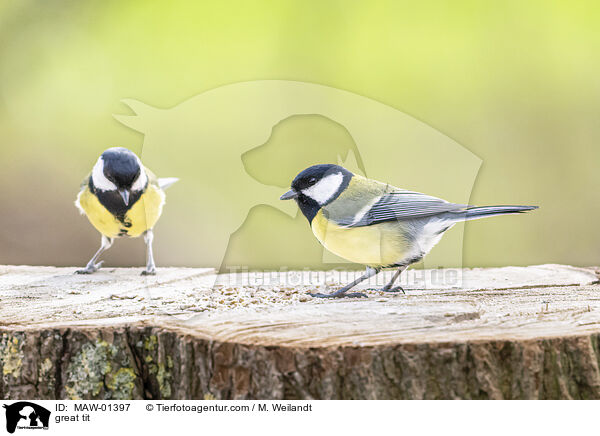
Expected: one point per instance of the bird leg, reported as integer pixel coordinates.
(92, 266)
(150, 266)
(388, 287)
(370, 272)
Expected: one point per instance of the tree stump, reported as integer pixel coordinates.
(514, 332)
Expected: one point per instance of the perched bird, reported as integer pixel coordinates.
(376, 224)
(122, 198)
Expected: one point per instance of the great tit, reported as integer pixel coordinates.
(376, 224)
(122, 198)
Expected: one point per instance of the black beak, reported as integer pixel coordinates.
(289, 195)
(125, 195)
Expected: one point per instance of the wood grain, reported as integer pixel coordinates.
(189, 333)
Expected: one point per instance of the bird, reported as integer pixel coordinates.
(122, 198)
(374, 223)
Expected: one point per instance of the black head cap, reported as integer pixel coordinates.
(312, 175)
(121, 166)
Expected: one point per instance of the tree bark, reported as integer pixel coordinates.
(515, 333)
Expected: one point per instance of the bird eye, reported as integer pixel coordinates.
(312, 181)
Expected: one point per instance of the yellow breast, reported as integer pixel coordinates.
(142, 215)
(378, 245)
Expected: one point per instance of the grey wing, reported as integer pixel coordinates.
(401, 205)
(82, 187)
(85, 182)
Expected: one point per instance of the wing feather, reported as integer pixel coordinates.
(402, 205)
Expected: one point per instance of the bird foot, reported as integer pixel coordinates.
(394, 290)
(149, 272)
(90, 269)
(340, 295)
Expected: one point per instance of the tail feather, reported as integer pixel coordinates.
(474, 213)
(165, 182)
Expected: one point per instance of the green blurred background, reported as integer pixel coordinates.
(515, 83)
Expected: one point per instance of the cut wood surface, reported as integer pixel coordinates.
(514, 332)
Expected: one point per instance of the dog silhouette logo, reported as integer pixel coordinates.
(247, 140)
(26, 415)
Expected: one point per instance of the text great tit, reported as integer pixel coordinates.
(122, 198)
(376, 224)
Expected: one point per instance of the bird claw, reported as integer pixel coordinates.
(356, 295)
(149, 272)
(90, 269)
(394, 290)
(335, 295)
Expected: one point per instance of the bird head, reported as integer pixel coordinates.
(318, 184)
(119, 169)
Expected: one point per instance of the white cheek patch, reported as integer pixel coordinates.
(324, 189)
(99, 179)
(140, 182)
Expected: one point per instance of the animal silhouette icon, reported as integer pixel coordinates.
(27, 413)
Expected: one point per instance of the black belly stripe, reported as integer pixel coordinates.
(124, 231)
(113, 202)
